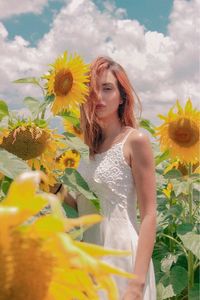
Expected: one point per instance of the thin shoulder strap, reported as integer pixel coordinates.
(126, 136)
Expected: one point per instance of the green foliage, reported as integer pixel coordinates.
(146, 124)
(76, 183)
(3, 109)
(70, 211)
(176, 252)
(11, 165)
(76, 143)
(161, 157)
(33, 105)
(191, 241)
(32, 80)
(71, 117)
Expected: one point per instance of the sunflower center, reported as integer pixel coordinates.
(69, 163)
(63, 82)
(184, 132)
(19, 273)
(26, 144)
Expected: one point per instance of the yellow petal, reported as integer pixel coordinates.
(87, 220)
(97, 251)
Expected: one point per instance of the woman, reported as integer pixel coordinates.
(121, 172)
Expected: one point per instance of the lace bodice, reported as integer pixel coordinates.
(110, 177)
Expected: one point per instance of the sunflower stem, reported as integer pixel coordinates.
(171, 242)
(175, 241)
(190, 254)
(43, 113)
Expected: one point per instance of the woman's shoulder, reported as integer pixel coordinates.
(137, 140)
(137, 135)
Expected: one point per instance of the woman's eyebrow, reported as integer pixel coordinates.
(107, 83)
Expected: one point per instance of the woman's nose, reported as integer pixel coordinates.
(99, 98)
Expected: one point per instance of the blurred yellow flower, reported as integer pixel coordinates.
(39, 260)
(168, 190)
(180, 133)
(67, 82)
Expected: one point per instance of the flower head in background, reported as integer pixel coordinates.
(180, 133)
(67, 81)
(37, 145)
(69, 159)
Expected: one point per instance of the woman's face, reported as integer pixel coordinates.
(108, 95)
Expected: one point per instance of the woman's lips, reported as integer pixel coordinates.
(100, 106)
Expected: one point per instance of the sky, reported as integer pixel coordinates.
(156, 41)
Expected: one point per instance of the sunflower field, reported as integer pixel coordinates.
(41, 253)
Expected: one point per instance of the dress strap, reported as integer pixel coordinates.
(126, 136)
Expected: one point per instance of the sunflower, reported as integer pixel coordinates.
(26, 141)
(67, 82)
(37, 146)
(39, 259)
(180, 133)
(70, 159)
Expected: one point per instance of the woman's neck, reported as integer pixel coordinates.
(111, 129)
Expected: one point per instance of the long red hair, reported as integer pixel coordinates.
(90, 125)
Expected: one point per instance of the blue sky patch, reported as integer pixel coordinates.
(154, 15)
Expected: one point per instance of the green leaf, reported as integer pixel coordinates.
(42, 123)
(172, 283)
(174, 211)
(3, 109)
(180, 187)
(191, 242)
(146, 124)
(6, 184)
(70, 211)
(174, 173)
(33, 105)
(196, 194)
(158, 272)
(178, 279)
(164, 292)
(11, 165)
(77, 144)
(161, 157)
(71, 117)
(32, 80)
(167, 262)
(184, 228)
(194, 292)
(76, 183)
(49, 99)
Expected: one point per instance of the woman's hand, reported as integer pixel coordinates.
(134, 291)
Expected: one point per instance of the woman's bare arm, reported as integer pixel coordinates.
(60, 190)
(144, 174)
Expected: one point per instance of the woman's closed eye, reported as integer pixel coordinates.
(107, 89)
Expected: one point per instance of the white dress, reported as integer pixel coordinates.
(110, 177)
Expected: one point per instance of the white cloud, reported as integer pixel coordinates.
(161, 67)
(9, 8)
